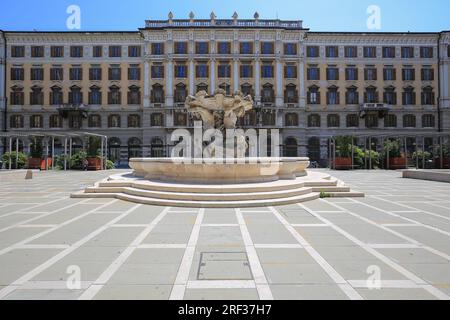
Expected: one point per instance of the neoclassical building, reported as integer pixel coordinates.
(131, 86)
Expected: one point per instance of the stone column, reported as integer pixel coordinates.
(279, 101)
(212, 76)
(146, 84)
(169, 83)
(257, 80)
(191, 78)
(301, 84)
(235, 75)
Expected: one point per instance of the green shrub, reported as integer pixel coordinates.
(36, 149)
(343, 146)
(21, 163)
(324, 195)
(76, 161)
(109, 165)
(393, 146)
(94, 147)
(372, 157)
(419, 157)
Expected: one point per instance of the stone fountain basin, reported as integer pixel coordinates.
(218, 171)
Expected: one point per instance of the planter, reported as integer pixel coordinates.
(396, 163)
(34, 163)
(342, 163)
(49, 164)
(445, 163)
(94, 164)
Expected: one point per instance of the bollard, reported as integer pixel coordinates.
(29, 175)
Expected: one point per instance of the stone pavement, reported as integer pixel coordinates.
(324, 249)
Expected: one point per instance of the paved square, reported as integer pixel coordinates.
(332, 248)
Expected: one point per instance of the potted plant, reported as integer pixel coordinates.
(76, 161)
(36, 151)
(393, 157)
(419, 157)
(445, 158)
(93, 155)
(19, 164)
(343, 157)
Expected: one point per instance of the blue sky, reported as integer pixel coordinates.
(318, 15)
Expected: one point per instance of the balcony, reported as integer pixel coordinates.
(380, 108)
(67, 109)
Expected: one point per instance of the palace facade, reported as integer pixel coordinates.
(131, 86)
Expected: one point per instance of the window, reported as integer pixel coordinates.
(224, 71)
(18, 51)
(247, 89)
(409, 96)
(267, 71)
(95, 74)
(291, 94)
(17, 74)
(95, 121)
(37, 74)
(36, 96)
(314, 121)
(370, 74)
(134, 51)
(390, 121)
(16, 121)
(409, 74)
(409, 121)
(390, 96)
(407, 52)
(370, 52)
(55, 121)
(268, 118)
(202, 71)
(312, 51)
(332, 96)
(389, 74)
(115, 51)
(134, 72)
(333, 121)
(95, 96)
(114, 121)
(388, 52)
(427, 74)
(332, 73)
(202, 87)
(134, 121)
(201, 47)
(313, 73)
(332, 51)
(428, 96)
(351, 74)
(372, 120)
(114, 95)
(37, 51)
(36, 121)
(352, 121)
(57, 51)
(290, 49)
(157, 120)
(351, 52)
(428, 121)
(290, 72)
(313, 95)
(291, 119)
(17, 96)
(75, 121)
(181, 71)
(246, 48)
(426, 52)
(352, 96)
(267, 48)
(225, 87)
(114, 73)
(180, 93)
(56, 74)
(157, 95)
(180, 47)
(75, 96)
(223, 47)
(56, 96)
(158, 48)
(158, 71)
(267, 94)
(76, 51)
(134, 95)
(246, 71)
(371, 95)
(180, 119)
(76, 74)
(97, 51)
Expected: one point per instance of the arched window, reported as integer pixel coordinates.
(180, 93)
(134, 148)
(352, 121)
(352, 96)
(314, 149)
(95, 96)
(75, 96)
(247, 89)
(134, 95)
(17, 96)
(114, 95)
(333, 121)
(313, 95)
(390, 96)
(95, 121)
(371, 95)
(428, 121)
(157, 120)
(428, 97)
(157, 148)
(291, 119)
(134, 121)
(314, 121)
(114, 149)
(291, 147)
(291, 94)
(408, 96)
(267, 94)
(157, 95)
(409, 121)
(36, 96)
(114, 121)
(333, 95)
(56, 96)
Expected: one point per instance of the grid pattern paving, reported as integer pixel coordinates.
(54, 247)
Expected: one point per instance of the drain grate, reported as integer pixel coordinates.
(224, 266)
